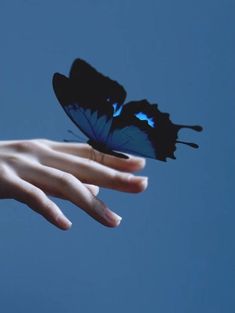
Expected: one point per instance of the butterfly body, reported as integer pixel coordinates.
(95, 103)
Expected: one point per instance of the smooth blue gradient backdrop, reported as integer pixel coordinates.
(174, 251)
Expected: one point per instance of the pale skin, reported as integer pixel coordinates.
(32, 170)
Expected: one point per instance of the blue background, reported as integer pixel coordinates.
(174, 251)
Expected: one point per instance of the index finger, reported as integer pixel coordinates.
(131, 164)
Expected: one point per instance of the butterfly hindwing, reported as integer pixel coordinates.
(129, 134)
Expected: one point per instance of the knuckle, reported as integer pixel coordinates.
(4, 172)
(25, 145)
(34, 193)
(14, 159)
(6, 182)
(36, 198)
(66, 180)
(122, 177)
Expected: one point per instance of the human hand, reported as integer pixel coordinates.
(30, 170)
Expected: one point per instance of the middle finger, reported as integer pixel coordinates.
(91, 172)
(65, 186)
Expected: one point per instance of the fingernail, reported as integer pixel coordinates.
(141, 161)
(112, 217)
(63, 221)
(141, 180)
(107, 214)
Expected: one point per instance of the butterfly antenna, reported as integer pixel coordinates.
(80, 139)
(70, 140)
(191, 144)
(93, 155)
(75, 135)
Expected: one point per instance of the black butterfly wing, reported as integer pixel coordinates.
(130, 133)
(94, 103)
(89, 99)
(93, 89)
(143, 130)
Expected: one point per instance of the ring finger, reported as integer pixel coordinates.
(66, 186)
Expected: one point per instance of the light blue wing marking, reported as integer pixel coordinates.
(143, 117)
(116, 111)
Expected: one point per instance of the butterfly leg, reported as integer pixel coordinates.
(100, 154)
(102, 158)
(93, 155)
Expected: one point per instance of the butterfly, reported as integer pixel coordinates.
(95, 103)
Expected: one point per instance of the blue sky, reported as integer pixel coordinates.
(174, 251)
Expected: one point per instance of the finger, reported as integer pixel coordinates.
(86, 151)
(91, 172)
(64, 185)
(93, 189)
(37, 200)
